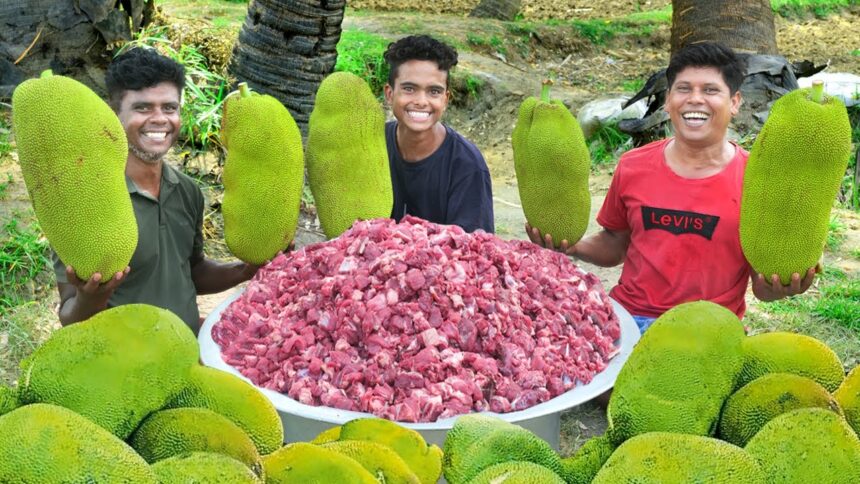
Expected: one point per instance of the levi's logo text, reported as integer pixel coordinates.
(679, 222)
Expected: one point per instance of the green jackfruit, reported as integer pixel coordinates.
(552, 164)
(793, 174)
(848, 396)
(766, 397)
(329, 435)
(503, 444)
(203, 468)
(517, 472)
(72, 150)
(666, 458)
(236, 399)
(468, 429)
(380, 460)
(263, 175)
(347, 159)
(424, 460)
(783, 352)
(178, 431)
(679, 373)
(583, 465)
(114, 368)
(47, 444)
(312, 464)
(8, 399)
(809, 445)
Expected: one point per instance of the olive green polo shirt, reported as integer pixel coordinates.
(170, 235)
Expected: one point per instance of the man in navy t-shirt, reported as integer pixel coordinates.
(436, 173)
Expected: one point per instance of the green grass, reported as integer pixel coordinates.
(849, 191)
(633, 85)
(819, 8)
(361, 54)
(204, 92)
(4, 185)
(607, 144)
(227, 13)
(24, 263)
(5, 135)
(835, 233)
(491, 42)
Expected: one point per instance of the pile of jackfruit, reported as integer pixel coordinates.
(697, 401)
(121, 398)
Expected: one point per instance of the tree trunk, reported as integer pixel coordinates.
(497, 9)
(286, 48)
(71, 37)
(743, 25)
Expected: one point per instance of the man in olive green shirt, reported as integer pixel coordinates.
(168, 268)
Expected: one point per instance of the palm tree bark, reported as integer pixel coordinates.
(286, 48)
(743, 25)
(497, 9)
(71, 37)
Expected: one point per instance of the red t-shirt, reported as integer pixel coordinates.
(684, 242)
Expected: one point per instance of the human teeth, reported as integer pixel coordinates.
(695, 116)
(156, 136)
(419, 114)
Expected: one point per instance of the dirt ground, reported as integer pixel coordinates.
(584, 72)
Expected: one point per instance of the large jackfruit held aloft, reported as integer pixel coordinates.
(114, 368)
(552, 164)
(72, 150)
(52, 445)
(347, 159)
(794, 171)
(263, 175)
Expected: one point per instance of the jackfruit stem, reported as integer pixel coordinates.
(244, 90)
(817, 93)
(546, 85)
(46, 73)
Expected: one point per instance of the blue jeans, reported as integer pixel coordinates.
(644, 322)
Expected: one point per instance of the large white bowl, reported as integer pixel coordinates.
(303, 422)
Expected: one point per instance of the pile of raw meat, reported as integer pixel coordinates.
(416, 321)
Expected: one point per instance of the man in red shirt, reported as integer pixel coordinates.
(672, 211)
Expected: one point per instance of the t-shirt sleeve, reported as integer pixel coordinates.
(470, 202)
(613, 212)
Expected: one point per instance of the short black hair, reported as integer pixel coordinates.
(709, 54)
(419, 47)
(139, 68)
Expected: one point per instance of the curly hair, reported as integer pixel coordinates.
(419, 47)
(140, 68)
(709, 54)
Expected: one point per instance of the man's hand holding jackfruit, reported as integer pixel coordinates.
(773, 289)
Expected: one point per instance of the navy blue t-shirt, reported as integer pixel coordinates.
(452, 186)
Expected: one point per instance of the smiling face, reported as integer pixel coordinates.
(150, 117)
(419, 95)
(701, 106)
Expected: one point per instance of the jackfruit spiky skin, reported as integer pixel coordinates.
(177, 431)
(767, 397)
(326, 436)
(501, 445)
(8, 399)
(114, 368)
(236, 399)
(263, 175)
(807, 446)
(552, 164)
(783, 352)
(679, 374)
(517, 472)
(380, 460)
(203, 468)
(667, 458)
(468, 429)
(347, 159)
(583, 465)
(72, 150)
(305, 463)
(424, 460)
(793, 174)
(848, 396)
(49, 444)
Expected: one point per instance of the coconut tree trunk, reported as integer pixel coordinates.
(71, 37)
(497, 9)
(743, 25)
(286, 48)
